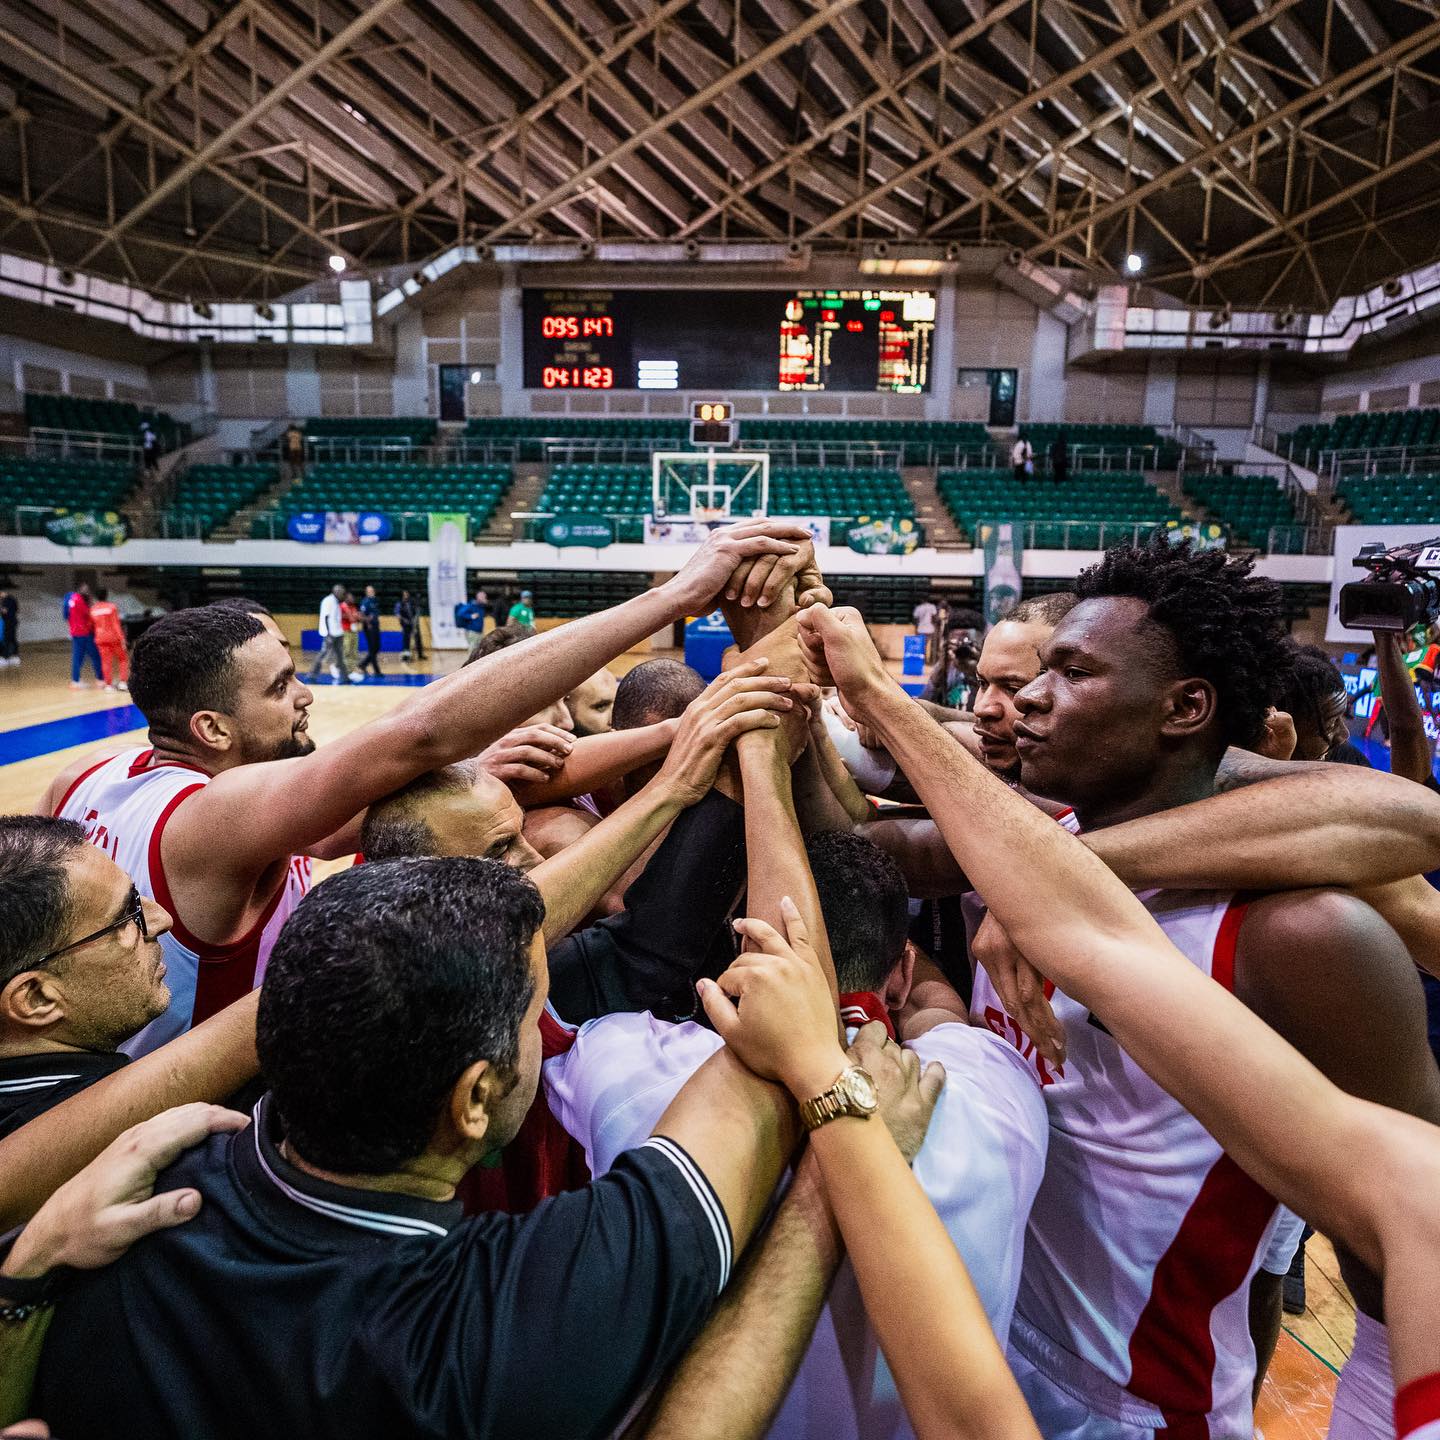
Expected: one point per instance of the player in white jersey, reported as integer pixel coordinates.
(228, 793)
(1131, 716)
(980, 1162)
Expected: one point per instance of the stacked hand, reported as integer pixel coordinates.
(785, 549)
(94, 1218)
(908, 1095)
(739, 701)
(838, 651)
(529, 755)
(774, 1009)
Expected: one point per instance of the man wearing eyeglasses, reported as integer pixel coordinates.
(81, 969)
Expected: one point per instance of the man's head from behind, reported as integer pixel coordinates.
(80, 961)
(458, 810)
(865, 902)
(1009, 661)
(1313, 693)
(400, 1015)
(216, 684)
(654, 690)
(1171, 655)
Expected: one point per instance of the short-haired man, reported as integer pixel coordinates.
(81, 966)
(369, 608)
(216, 818)
(591, 703)
(470, 617)
(332, 638)
(654, 690)
(328, 1250)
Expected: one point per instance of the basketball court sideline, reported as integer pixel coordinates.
(44, 725)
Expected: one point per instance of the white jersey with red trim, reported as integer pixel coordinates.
(124, 803)
(1417, 1409)
(980, 1165)
(1144, 1235)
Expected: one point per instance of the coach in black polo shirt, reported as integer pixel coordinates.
(80, 965)
(328, 1286)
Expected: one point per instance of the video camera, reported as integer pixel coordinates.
(1402, 589)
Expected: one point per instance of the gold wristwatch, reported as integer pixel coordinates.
(853, 1093)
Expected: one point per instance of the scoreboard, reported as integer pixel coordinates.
(723, 340)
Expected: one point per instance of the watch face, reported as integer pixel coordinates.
(862, 1089)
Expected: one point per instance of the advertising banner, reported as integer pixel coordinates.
(338, 527)
(1202, 536)
(883, 535)
(1003, 552)
(447, 578)
(81, 528)
(683, 530)
(595, 531)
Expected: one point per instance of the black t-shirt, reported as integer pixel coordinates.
(290, 1307)
(32, 1084)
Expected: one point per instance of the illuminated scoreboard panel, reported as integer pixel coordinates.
(723, 340)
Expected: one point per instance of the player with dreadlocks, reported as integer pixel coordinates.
(1145, 1236)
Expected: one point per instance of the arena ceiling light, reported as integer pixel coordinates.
(1134, 263)
(336, 263)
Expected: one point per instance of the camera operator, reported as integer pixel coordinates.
(952, 682)
(1412, 754)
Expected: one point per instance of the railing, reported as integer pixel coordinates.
(629, 525)
(1299, 540)
(1304, 502)
(1108, 458)
(1080, 534)
(1380, 460)
(408, 525)
(43, 443)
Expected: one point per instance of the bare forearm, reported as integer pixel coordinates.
(1311, 825)
(598, 761)
(838, 778)
(210, 1062)
(735, 1376)
(775, 850)
(954, 1381)
(572, 882)
(816, 803)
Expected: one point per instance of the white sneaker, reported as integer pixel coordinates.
(109, 686)
(77, 685)
(356, 677)
(121, 685)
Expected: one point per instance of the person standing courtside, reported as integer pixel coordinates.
(331, 656)
(350, 637)
(407, 612)
(370, 619)
(9, 635)
(470, 617)
(110, 641)
(522, 612)
(82, 635)
(924, 617)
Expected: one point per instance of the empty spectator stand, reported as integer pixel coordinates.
(407, 493)
(1105, 446)
(1367, 430)
(1254, 508)
(1409, 499)
(912, 442)
(206, 496)
(31, 489)
(101, 417)
(1091, 510)
(574, 437)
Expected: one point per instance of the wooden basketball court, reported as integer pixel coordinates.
(44, 725)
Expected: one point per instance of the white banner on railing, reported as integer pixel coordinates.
(688, 530)
(447, 579)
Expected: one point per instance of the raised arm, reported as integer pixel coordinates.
(210, 1063)
(574, 880)
(1412, 756)
(268, 811)
(596, 761)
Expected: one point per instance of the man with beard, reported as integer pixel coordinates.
(216, 819)
(592, 702)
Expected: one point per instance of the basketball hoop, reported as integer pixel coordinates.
(709, 514)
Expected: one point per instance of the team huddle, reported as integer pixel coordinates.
(779, 1056)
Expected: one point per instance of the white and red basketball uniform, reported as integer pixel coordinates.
(1364, 1406)
(1132, 1315)
(124, 803)
(1417, 1409)
(980, 1165)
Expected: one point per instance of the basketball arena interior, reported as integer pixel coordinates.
(527, 298)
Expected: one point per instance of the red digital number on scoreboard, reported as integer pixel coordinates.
(578, 377)
(560, 327)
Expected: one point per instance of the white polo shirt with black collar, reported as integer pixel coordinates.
(294, 1307)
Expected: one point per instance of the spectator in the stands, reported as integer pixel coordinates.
(1022, 458)
(82, 635)
(292, 451)
(407, 612)
(369, 608)
(110, 640)
(149, 445)
(1060, 458)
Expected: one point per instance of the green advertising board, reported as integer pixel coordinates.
(595, 531)
(883, 535)
(82, 528)
(1003, 553)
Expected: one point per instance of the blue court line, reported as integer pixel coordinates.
(28, 741)
(32, 740)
